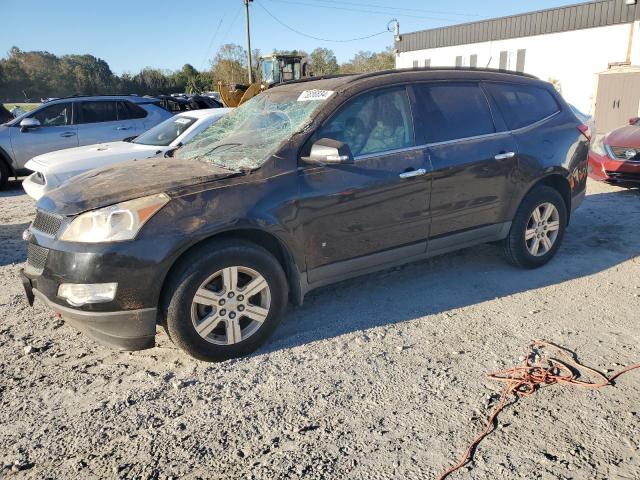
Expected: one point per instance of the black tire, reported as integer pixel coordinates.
(4, 174)
(515, 246)
(195, 269)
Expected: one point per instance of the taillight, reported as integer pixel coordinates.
(586, 131)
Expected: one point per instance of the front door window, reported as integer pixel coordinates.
(373, 123)
(54, 115)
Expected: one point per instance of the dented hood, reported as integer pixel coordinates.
(128, 180)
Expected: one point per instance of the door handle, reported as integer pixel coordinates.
(123, 128)
(413, 173)
(68, 134)
(504, 156)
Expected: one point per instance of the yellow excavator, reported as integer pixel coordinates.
(275, 68)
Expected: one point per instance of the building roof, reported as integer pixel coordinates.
(596, 13)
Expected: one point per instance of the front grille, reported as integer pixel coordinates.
(37, 257)
(623, 176)
(621, 153)
(46, 222)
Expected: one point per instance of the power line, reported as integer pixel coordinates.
(206, 55)
(368, 10)
(311, 36)
(231, 25)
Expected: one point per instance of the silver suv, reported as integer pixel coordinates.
(73, 122)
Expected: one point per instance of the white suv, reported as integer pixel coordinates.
(72, 122)
(52, 169)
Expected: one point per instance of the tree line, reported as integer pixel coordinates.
(38, 74)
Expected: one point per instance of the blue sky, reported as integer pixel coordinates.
(133, 34)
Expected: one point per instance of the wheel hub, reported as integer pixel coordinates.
(230, 305)
(542, 229)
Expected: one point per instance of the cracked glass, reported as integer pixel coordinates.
(246, 137)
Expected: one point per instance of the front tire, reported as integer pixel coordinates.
(224, 300)
(537, 229)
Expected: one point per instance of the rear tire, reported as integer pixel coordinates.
(4, 174)
(224, 300)
(537, 229)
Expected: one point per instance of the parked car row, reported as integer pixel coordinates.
(54, 168)
(309, 183)
(81, 120)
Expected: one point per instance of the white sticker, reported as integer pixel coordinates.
(308, 95)
(182, 120)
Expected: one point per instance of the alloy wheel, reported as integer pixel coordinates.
(230, 305)
(542, 229)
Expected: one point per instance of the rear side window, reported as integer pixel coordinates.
(452, 111)
(95, 112)
(128, 110)
(522, 105)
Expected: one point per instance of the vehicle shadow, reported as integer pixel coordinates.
(603, 233)
(12, 248)
(13, 189)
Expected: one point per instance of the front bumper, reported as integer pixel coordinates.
(138, 267)
(126, 329)
(616, 172)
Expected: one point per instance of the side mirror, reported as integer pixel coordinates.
(327, 151)
(28, 124)
(633, 120)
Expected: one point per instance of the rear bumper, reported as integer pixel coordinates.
(125, 330)
(615, 172)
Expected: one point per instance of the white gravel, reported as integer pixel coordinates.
(379, 377)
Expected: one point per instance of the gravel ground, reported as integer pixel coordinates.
(379, 377)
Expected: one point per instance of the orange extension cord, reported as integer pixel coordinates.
(534, 373)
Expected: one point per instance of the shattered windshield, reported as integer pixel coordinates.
(247, 136)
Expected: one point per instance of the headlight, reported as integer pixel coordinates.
(122, 221)
(597, 146)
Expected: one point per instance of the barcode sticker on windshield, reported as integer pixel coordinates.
(182, 120)
(308, 95)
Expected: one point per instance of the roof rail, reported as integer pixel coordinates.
(446, 69)
(313, 79)
(358, 76)
(77, 95)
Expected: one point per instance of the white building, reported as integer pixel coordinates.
(568, 45)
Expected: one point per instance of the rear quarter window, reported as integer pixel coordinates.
(522, 105)
(128, 110)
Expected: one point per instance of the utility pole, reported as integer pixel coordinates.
(246, 17)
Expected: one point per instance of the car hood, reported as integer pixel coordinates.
(628, 136)
(90, 156)
(128, 180)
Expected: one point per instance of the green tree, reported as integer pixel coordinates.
(229, 64)
(323, 62)
(364, 62)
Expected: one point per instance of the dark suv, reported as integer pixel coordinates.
(307, 184)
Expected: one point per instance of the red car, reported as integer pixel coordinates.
(615, 158)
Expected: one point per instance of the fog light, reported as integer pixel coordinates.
(77, 294)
